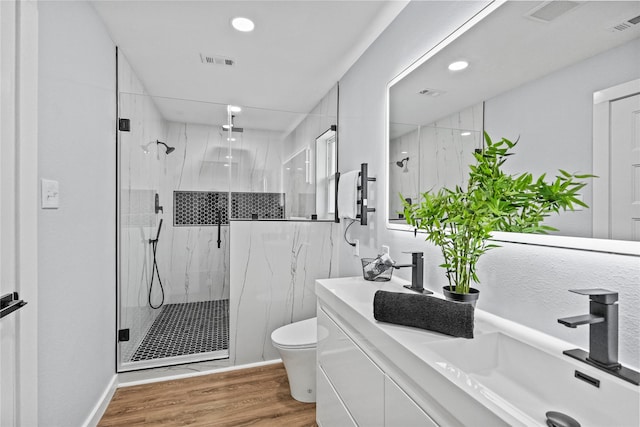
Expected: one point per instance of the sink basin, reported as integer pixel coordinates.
(526, 382)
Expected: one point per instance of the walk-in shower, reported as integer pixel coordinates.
(178, 195)
(187, 171)
(173, 211)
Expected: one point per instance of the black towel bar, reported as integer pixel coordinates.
(364, 193)
(10, 303)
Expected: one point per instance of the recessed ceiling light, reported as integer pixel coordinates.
(231, 139)
(243, 24)
(404, 152)
(465, 134)
(458, 65)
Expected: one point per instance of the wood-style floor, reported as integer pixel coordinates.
(247, 397)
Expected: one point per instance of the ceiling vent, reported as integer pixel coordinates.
(216, 60)
(432, 92)
(629, 23)
(550, 10)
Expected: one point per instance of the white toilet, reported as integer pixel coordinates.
(296, 344)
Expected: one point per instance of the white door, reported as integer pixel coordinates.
(18, 210)
(616, 162)
(625, 179)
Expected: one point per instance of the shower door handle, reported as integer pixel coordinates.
(10, 303)
(219, 219)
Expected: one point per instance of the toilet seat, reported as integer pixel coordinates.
(298, 335)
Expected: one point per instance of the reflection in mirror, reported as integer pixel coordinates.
(441, 153)
(536, 71)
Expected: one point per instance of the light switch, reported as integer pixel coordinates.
(50, 194)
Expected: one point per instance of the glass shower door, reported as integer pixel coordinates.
(173, 280)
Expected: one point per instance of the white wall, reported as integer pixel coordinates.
(524, 283)
(76, 242)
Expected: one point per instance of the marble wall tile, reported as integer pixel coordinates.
(445, 153)
(274, 265)
(197, 270)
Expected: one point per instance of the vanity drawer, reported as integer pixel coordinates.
(331, 412)
(401, 410)
(358, 382)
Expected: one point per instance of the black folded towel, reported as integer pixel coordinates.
(425, 312)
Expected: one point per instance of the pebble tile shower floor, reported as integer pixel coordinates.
(190, 328)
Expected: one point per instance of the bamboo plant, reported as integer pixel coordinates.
(460, 221)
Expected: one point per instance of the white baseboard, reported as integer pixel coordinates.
(98, 411)
(198, 373)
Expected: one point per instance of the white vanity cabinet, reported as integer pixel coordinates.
(353, 390)
(401, 410)
(358, 383)
(332, 412)
(374, 373)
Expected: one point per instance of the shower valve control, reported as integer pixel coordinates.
(158, 207)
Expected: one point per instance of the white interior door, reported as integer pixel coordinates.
(616, 162)
(8, 328)
(18, 210)
(625, 178)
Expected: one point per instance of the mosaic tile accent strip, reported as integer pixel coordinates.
(191, 328)
(265, 205)
(198, 208)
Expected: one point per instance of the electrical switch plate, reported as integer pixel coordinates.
(385, 250)
(356, 248)
(50, 194)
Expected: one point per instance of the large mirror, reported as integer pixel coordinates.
(533, 69)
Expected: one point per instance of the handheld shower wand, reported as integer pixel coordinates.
(154, 268)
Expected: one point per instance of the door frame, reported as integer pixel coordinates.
(19, 151)
(602, 153)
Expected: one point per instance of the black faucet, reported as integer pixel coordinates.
(603, 334)
(417, 273)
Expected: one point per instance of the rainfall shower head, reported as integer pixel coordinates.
(169, 149)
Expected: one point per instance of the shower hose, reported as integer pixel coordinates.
(154, 269)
